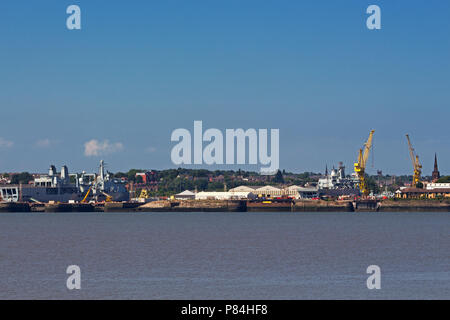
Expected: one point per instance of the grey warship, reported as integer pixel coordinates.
(59, 187)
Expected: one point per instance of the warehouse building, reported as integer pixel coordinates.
(297, 192)
(294, 192)
(244, 189)
(269, 192)
(185, 195)
(224, 195)
(417, 193)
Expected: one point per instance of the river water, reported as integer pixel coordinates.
(225, 255)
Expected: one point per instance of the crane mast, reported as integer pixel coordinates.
(360, 166)
(415, 162)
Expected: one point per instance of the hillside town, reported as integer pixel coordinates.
(333, 183)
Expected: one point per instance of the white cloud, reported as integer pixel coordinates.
(5, 143)
(99, 148)
(43, 143)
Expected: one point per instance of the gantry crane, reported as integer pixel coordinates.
(416, 164)
(360, 166)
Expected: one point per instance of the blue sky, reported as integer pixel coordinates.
(137, 70)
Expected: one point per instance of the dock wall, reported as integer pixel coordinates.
(414, 205)
(235, 206)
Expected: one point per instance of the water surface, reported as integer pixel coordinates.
(225, 255)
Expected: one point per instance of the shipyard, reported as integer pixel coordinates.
(228, 157)
(185, 190)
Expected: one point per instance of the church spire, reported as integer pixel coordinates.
(435, 175)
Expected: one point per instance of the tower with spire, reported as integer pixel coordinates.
(435, 175)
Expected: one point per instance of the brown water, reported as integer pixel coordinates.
(225, 255)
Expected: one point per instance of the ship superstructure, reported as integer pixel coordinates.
(337, 179)
(105, 187)
(337, 183)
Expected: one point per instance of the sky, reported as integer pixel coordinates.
(137, 70)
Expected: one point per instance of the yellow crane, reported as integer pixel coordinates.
(416, 164)
(87, 194)
(360, 166)
(108, 198)
(144, 194)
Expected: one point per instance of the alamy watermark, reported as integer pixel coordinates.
(73, 21)
(74, 280)
(190, 149)
(373, 22)
(374, 280)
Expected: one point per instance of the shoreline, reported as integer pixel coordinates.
(235, 206)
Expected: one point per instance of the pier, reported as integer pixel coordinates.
(366, 205)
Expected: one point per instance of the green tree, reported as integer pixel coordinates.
(444, 180)
(132, 174)
(372, 184)
(201, 184)
(23, 177)
(278, 177)
(120, 175)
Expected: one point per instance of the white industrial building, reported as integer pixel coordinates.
(295, 192)
(269, 192)
(266, 191)
(432, 186)
(185, 195)
(244, 189)
(204, 195)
